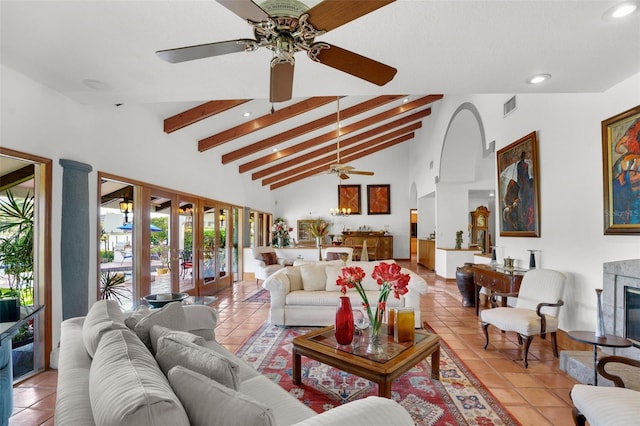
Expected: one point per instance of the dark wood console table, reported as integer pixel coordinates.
(496, 279)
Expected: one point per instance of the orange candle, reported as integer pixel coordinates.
(392, 316)
(404, 325)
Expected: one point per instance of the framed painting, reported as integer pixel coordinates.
(305, 238)
(349, 198)
(621, 172)
(378, 199)
(519, 188)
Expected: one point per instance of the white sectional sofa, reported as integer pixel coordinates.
(306, 294)
(108, 375)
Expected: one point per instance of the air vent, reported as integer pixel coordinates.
(509, 106)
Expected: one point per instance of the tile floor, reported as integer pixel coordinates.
(537, 396)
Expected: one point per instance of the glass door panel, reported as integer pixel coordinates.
(236, 226)
(161, 260)
(186, 245)
(208, 260)
(223, 242)
(116, 242)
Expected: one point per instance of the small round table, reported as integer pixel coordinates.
(608, 341)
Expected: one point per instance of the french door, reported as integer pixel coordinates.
(215, 230)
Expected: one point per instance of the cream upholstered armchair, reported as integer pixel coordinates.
(536, 311)
(266, 262)
(606, 405)
(338, 253)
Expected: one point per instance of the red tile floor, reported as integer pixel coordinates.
(536, 396)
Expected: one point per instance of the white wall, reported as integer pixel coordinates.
(313, 197)
(570, 159)
(126, 140)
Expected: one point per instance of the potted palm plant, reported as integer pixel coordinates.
(16, 258)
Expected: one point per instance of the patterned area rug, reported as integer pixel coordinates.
(457, 399)
(260, 296)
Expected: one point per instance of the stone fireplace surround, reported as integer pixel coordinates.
(616, 276)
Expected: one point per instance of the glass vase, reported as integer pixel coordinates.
(344, 325)
(600, 319)
(374, 347)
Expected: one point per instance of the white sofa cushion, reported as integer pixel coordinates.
(286, 410)
(170, 315)
(332, 273)
(313, 277)
(210, 403)
(104, 316)
(132, 319)
(126, 386)
(174, 351)
(604, 406)
(330, 298)
(295, 279)
(201, 320)
(158, 331)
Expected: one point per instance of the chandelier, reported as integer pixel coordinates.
(340, 212)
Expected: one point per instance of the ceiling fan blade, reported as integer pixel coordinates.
(281, 82)
(330, 14)
(189, 53)
(246, 9)
(359, 172)
(344, 176)
(352, 63)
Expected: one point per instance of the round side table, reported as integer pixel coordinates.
(609, 341)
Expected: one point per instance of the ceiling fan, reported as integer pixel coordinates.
(289, 26)
(342, 170)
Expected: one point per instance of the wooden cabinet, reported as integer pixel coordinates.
(427, 253)
(496, 280)
(384, 249)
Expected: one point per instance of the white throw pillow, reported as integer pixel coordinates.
(158, 331)
(104, 316)
(295, 280)
(209, 403)
(174, 351)
(313, 277)
(332, 272)
(171, 316)
(135, 316)
(126, 386)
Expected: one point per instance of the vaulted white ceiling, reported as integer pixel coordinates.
(103, 52)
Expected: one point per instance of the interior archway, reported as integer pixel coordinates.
(466, 175)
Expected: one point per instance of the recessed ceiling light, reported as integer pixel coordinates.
(275, 149)
(538, 78)
(246, 114)
(405, 100)
(621, 10)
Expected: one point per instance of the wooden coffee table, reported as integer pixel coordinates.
(319, 345)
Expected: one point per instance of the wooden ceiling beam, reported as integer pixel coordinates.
(298, 161)
(308, 127)
(16, 177)
(294, 149)
(198, 113)
(262, 122)
(124, 192)
(330, 159)
(353, 157)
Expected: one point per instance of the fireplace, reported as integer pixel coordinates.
(621, 304)
(621, 312)
(632, 314)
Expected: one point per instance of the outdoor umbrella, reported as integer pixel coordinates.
(129, 227)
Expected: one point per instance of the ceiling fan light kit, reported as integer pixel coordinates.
(286, 27)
